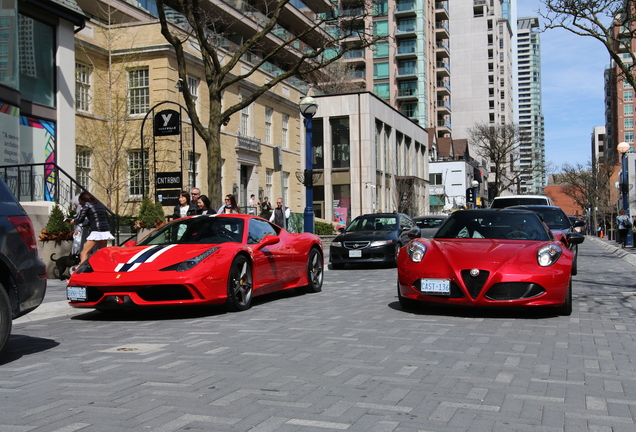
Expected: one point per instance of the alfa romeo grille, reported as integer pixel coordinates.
(474, 284)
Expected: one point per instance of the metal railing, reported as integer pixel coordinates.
(49, 182)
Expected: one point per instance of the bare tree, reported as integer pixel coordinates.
(589, 187)
(336, 78)
(498, 144)
(611, 22)
(313, 47)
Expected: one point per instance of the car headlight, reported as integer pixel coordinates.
(548, 255)
(191, 262)
(336, 244)
(380, 243)
(416, 251)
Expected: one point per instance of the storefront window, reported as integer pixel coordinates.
(340, 142)
(37, 65)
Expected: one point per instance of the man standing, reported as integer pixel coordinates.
(280, 214)
(195, 194)
(266, 209)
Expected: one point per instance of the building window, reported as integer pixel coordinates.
(193, 88)
(628, 96)
(135, 189)
(245, 120)
(628, 110)
(82, 86)
(406, 46)
(628, 123)
(318, 144)
(138, 91)
(193, 168)
(284, 142)
(380, 70)
(83, 167)
(629, 137)
(269, 175)
(269, 113)
(435, 179)
(286, 189)
(381, 49)
(626, 84)
(36, 45)
(381, 28)
(382, 90)
(380, 8)
(340, 142)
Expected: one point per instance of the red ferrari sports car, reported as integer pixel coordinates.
(200, 260)
(489, 257)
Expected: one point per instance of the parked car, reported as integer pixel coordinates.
(488, 257)
(200, 260)
(22, 272)
(515, 200)
(578, 224)
(371, 238)
(429, 225)
(562, 227)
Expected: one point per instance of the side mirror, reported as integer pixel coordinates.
(341, 230)
(269, 240)
(130, 243)
(414, 233)
(575, 238)
(579, 223)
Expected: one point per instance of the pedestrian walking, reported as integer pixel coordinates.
(184, 208)
(252, 205)
(95, 212)
(195, 193)
(624, 225)
(203, 205)
(230, 205)
(266, 209)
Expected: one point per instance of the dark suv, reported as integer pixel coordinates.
(22, 272)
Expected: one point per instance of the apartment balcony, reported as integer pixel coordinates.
(441, 30)
(404, 8)
(354, 57)
(441, 10)
(442, 47)
(407, 72)
(407, 93)
(405, 30)
(249, 144)
(406, 51)
(443, 107)
(442, 69)
(444, 124)
(357, 12)
(443, 88)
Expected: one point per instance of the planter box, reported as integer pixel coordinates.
(60, 249)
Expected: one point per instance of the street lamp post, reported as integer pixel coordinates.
(623, 148)
(475, 185)
(308, 108)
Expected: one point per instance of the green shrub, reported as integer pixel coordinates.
(56, 229)
(323, 228)
(150, 215)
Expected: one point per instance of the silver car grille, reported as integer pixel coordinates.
(356, 244)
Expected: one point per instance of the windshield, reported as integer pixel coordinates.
(553, 217)
(430, 222)
(493, 225)
(197, 230)
(374, 223)
(509, 202)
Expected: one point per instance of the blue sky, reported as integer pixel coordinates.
(572, 86)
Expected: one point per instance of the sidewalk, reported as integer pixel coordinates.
(627, 254)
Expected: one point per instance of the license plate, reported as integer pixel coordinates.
(435, 286)
(355, 254)
(76, 293)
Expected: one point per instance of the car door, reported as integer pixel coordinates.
(271, 262)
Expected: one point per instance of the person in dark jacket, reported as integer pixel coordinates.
(95, 212)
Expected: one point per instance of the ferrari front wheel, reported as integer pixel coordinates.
(566, 309)
(314, 271)
(239, 284)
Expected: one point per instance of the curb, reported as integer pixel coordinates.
(615, 250)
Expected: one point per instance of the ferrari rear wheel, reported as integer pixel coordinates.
(239, 284)
(566, 309)
(314, 271)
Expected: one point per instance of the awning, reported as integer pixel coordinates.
(436, 200)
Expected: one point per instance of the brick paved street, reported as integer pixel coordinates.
(345, 359)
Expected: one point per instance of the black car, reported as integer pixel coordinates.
(429, 224)
(372, 238)
(22, 272)
(556, 219)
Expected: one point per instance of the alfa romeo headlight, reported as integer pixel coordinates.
(548, 255)
(416, 251)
